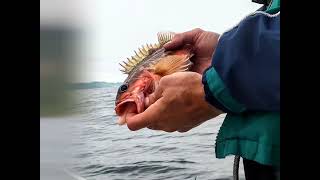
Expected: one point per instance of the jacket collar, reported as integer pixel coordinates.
(264, 2)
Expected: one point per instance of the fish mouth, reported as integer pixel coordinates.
(130, 105)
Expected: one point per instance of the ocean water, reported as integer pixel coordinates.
(90, 145)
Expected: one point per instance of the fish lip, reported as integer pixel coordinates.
(138, 100)
(119, 104)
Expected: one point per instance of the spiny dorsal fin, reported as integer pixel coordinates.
(164, 37)
(171, 64)
(145, 51)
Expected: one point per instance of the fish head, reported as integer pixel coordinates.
(131, 94)
(144, 70)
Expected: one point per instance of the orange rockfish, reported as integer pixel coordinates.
(145, 70)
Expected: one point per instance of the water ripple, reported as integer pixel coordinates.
(102, 150)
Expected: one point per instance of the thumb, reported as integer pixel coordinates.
(176, 42)
(146, 118)
(180, 39)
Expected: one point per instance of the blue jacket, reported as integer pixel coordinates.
(244, 82)
(247, 59)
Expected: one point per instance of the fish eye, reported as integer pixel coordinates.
(123, 87)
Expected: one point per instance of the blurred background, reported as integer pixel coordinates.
(81, 44)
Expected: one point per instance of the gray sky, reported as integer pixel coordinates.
(114, 29)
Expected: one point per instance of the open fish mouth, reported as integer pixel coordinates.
(121, 107)
(130, 105)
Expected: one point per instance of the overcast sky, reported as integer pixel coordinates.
(114, 29)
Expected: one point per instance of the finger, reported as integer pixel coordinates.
(168, 130)
(122, 119)
(152, 98)
(159, 127)
(146, 118)
(128, 113)
(187, 128)
(153, 127)
(184, 130)
(189, 37)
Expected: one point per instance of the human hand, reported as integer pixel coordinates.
(203, 42)
(178, 104)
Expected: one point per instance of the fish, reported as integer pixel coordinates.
(145, 69)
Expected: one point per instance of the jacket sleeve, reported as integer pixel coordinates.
(245, 70)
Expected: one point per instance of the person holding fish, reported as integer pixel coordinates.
(192, 77)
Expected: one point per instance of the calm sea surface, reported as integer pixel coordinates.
(90, 145)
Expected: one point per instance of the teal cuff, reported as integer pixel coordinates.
(220, 92)
(274, 7)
